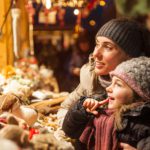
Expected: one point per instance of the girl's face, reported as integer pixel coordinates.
(119, 93)
(107, 56)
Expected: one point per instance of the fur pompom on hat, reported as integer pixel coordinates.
(136, 73)
(129, 35)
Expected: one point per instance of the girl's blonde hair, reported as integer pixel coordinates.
(137, 101)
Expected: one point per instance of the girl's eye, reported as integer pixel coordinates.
(118, 84)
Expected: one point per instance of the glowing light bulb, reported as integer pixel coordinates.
(48, 4)
(102, 3)
(92, 22)
(76, 11)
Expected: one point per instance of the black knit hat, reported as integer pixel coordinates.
(128, 35)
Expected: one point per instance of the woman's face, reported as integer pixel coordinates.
(107, 55)
(119, 93)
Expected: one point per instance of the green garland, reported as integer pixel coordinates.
(133, 8)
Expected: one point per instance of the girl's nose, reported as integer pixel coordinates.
(109, 89)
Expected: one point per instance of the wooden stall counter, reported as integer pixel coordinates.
(48, 106)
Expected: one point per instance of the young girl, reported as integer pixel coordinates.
(126, 119)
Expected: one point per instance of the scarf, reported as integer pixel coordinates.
(100, 134)
(104, 81)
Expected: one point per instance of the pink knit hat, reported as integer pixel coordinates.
(136, 73)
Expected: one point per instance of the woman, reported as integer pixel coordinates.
(116, 41)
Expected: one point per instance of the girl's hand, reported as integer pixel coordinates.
(125, 146)
(91, 105)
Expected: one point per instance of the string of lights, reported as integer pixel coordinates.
(70, 3)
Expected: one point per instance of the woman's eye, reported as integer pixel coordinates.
(96, 45)
(108, 47)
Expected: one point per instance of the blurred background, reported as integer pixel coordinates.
(60, 34)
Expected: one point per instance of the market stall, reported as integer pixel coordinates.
(25, 103)
(37, 38)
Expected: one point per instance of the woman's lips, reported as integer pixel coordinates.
(99, 64)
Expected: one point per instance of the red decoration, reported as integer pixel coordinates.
(32, 132)
(3, 120)
(85, 12)
(61, 14)
(91, 4)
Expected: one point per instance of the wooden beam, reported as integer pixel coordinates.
(6, 47)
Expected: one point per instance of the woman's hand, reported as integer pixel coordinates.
(125, 146)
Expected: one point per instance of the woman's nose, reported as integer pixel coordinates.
(97, 52)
